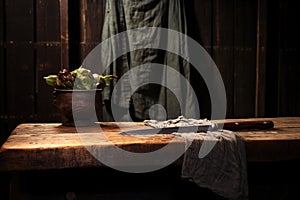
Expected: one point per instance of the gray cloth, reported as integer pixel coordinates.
(122, 15)
(223, 170)
(178, 122)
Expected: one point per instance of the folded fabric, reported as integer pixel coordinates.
(180, 121)
(214, 160)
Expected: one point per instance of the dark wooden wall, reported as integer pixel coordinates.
(253, 43)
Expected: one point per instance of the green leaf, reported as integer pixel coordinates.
(51, 80)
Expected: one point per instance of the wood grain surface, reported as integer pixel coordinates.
(52, 146)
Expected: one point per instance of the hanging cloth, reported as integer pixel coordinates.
(123, 15)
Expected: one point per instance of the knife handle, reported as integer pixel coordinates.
(249, 125)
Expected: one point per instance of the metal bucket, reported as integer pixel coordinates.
(78, 105)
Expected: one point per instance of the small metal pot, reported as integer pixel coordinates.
(79, 105)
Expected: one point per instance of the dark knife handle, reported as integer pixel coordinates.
(248, 125)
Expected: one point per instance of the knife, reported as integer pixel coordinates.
(232, 126)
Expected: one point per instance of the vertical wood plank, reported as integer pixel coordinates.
(3, 133)
(20, 72)
(84, 28)
(273, 32)
(64, 31)
(261, 48)
(48, 51)
(20, 81)
(223, 55)
(199, 22)
(91, 23)
(74, 34)
(20, 54)
(2, 16)
(48, 62)
(289, 70)
(19, 21)
(244, 58)
(48, 21)
(2, 57)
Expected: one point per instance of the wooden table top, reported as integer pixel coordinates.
(52, 146)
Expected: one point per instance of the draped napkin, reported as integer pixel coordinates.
(214, 160)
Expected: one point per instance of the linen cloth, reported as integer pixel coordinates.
(123, 15)
(223, 169)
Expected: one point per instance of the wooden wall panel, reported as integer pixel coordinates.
(272, 57)
(20, 81)
(20, 20)
(2, 23)
(223, 40)
(199, 20)
(2, 57)
(48, 56)
(3, 126)
(289, 67)
(253, 43)
(64, 32)
(48, 62)
(245, 58)
(261, 61)
(282, 71)
(20, 60)
(48, 21)
(92, 17)
(199, 14)
(74, 34)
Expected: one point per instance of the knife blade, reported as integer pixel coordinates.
(232, 126)
(169, 130)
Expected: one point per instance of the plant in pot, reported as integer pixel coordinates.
(77, 95)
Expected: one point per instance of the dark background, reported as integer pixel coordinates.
(254, 43)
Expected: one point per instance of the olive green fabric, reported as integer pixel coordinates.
(122, 15)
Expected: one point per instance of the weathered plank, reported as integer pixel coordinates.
(19, 64)
(282, 90)
(288, 69)
(91, 23)
(20, 81)
(244, 58)
(20, 21)
(47, 21)
(272, 75)
(67, 150)
(48, 57)
(2, 21)
(48, 62)
(20, 54)
(3, 131)
(223, 53)
(50, 146)
(199, 22)
(199, 19)
(261, 58)
(278, 144)
(64, 33)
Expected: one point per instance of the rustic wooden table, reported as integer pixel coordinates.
(33, 151)
(52, 146)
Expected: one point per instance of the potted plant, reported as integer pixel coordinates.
(77, 95)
